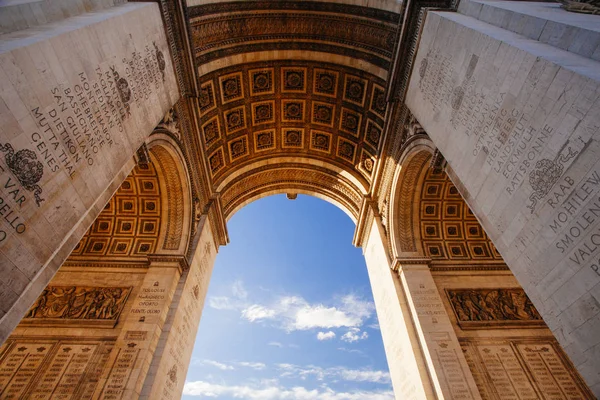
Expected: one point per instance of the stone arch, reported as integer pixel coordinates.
(324, 181)
(403, 236)
(150, 213)
(175, 184)
(430, 219)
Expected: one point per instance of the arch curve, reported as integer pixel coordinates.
(403, 232)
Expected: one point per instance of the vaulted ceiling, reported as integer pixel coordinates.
(295, 84)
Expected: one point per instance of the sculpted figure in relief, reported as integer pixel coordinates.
(493, 305)
(74, 302)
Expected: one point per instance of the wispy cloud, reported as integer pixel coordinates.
(238, 290)
(354, 375)
(216, 364)
(354, 335)
(275, 344)
(325, 335)
(230, 366)
(257, 312)
(277, 392)
(253, 365)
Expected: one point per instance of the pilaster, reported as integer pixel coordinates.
(126, 370)
(446, 364)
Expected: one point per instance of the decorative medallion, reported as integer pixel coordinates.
(378, 101)
(350, 122)
(235, 119)
(216, 161)
(545, 174)
(160, 60)
(231, 87)
(367, 163)
(323, 113)
(293, 110)
(206, 97)
(25, 166)
(211, 131)
(264, 140)
(346, 149)
(123, 89)
(172, 374)
(373, 134)
(263, 113)
(325, 82)
(238, 148)
(293, 137)
(261, 81)
(355, 90)
(293, 79)
(320, 141)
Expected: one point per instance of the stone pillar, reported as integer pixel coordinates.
(130, 359)
(423, 353)
(450, 373)
(509, 92)
(173, 354)
(77, 98)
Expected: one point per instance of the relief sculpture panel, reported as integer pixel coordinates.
(90, 306)
(481, 308)
(523, 369)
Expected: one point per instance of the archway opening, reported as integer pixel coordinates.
(289, 310)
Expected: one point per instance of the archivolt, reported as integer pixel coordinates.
(405, 194)
(175, 187)
(292, 178)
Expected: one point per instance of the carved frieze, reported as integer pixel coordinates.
(94, 306)
(480, 308)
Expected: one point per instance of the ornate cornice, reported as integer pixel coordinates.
(413, 16)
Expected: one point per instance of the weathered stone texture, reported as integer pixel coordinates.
(518, 122)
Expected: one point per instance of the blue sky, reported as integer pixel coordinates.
(289, 312)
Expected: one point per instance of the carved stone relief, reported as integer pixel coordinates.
(477, 308)
(94, 305)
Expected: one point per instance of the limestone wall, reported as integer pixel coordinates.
(61, 348)
(518, 121)
(77, 99)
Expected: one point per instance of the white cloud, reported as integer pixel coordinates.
(257, 312)
(253, 365)
(293, 313)
(238, 290)
(276, 392)
(221, 366)
(354, 335)
(325, 335)
(323, 317)
(275, 344)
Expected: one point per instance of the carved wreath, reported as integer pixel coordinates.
(545, 175)
(26, 168)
